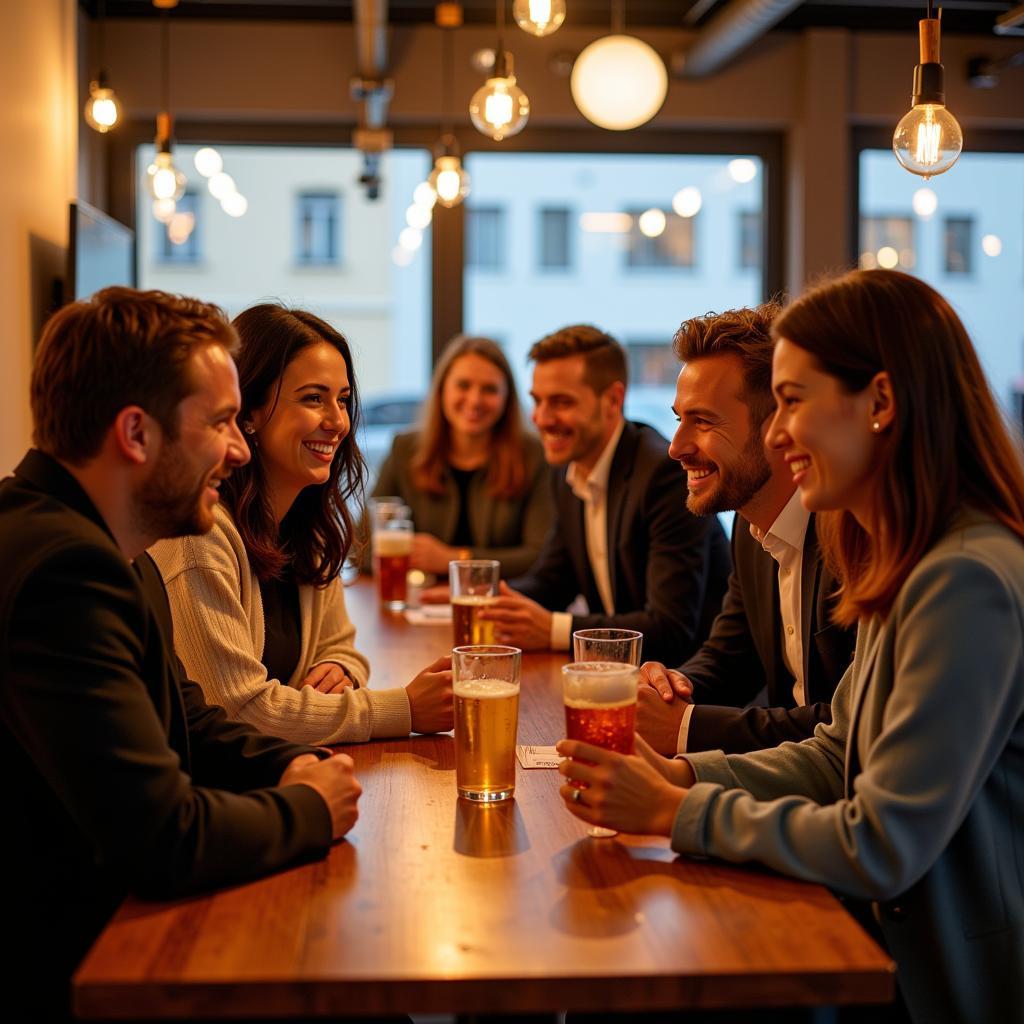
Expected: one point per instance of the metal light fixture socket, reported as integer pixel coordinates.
(449, 179)
(102, 108)
(499, 108)
(163, 179)
(539, 17)
(928, 140)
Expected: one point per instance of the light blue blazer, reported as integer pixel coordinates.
(914, 796)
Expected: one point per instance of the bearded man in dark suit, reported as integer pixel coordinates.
(772, 643)
(121, 778)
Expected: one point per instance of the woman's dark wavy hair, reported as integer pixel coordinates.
(948, 448)
(318, 530)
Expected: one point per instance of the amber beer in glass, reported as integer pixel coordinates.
(473, 583)
(600, 708)
(392, 546)
(485, 682)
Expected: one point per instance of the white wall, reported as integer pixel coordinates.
(38, 125)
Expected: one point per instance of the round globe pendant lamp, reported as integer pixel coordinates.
(619, 82)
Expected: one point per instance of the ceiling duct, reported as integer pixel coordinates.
(728, 33)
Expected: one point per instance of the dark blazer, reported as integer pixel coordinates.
(120, 777)
(668, 568)
(743, 655)
(512, 530)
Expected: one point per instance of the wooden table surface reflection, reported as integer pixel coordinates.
(435, 904)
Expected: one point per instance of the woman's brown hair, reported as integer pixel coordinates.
(315, 535)
(949, 447)
(507, 475)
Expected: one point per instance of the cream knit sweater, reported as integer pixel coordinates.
(219, 635)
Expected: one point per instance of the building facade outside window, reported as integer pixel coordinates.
(673, 246)
(751, 241)
(887, 242)
(317, 228)
(555, 238)
(958, 238)
(189, 250)
(485, 237)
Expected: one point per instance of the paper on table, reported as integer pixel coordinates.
(429, 615)
(538, 757)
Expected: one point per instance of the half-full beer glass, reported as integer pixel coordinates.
(607, 645)
(485, 681)
(600, 708)
(473, 583)
(392, 546)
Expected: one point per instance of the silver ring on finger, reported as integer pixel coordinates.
(577, 796)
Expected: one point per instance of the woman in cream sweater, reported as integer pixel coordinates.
(259, 610)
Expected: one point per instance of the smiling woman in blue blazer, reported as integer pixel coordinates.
(913, 798)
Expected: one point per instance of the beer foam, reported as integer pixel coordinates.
(390, 543)
(484, 689)
(474, 600)
(582, 704)
(606, 686)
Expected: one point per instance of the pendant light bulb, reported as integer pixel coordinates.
(928, 140)
(539, 17)
(102, 108)
(449, 180)
(499, 108)
(163, 179)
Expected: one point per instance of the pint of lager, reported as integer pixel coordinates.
(392, 546)
(600, 703)
(485, 682)
(473, 583)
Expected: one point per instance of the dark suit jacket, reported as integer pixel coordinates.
(668, 568)
(743, 655)
(119, 776)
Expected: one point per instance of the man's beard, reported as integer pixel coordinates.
(750, 473)
(168, 504)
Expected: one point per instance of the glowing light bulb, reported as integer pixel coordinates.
(449, 181)
(418, 217)
(687, 201)
(539, 17)
(499, 108)
(221, 185)
(618, 82)
(180, 227)
(410, 238)
(925, 202)
(163, 210)
(208, 162)
(991, 245)
(742, 170)
(234, 204)
(102, 108)
(424, 195)
(928, 140)
(887, 257)
(163, 179)
(652, 222)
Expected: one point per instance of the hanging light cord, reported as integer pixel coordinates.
(619, 17)
(100, 31)
(501, 26)
(447, 73)
(165, 61)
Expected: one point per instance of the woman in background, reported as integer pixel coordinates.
(258, 606)
(913, 797)
(476, 482)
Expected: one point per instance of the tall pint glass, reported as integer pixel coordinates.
(600, 708)
(392, 546)
(607, 645)
(485, 681)
(473, 583)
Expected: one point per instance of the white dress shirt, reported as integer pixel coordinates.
(593, 492)
(784, 541)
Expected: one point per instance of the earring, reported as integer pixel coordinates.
(876, 426)
(250, 427)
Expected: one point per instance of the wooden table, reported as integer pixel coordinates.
(434, 904)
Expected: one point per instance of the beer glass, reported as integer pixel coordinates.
(485, 682)
(600, 708)
(473, 583)
(607, 645)
(392, 546)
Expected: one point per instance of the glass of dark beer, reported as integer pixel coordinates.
(600, 708)
(473, 584)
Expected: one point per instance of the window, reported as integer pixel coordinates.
(887, 242)
(672, 247)
(177, 242)
(749, 240)
(485, 237)
(957, 237)
(651, 363)
(555, 246)
(317, 223)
